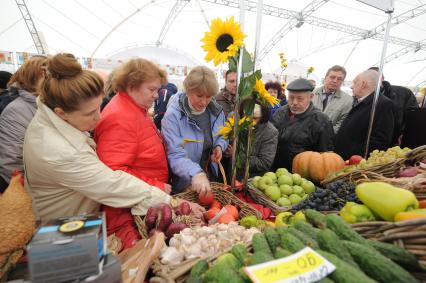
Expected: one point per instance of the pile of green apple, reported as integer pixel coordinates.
(284, 188)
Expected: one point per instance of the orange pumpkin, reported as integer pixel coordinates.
(315, 166)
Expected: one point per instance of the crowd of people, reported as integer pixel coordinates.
(77, 159)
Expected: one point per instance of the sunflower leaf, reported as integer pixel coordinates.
(246, 87)
(232, 63)
(248, 65)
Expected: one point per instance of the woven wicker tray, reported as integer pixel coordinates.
(410, 235)
(389, 170)
(221, 195)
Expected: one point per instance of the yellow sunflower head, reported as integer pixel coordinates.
(223, 40)
(310, 70)
(264, 94)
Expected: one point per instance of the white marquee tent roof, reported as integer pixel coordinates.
(332, 34)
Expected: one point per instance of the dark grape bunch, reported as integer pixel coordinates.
(331, 198)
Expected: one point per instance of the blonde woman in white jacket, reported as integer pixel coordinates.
(63, 172)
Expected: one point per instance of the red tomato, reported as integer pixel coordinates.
(232, 210)
(226, 218)
(216, 204)
(211, 213)
(206, 199)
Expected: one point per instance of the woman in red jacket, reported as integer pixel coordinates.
(128, 140)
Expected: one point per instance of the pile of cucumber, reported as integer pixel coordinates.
(356, 258)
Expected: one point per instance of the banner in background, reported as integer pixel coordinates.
(6, 57)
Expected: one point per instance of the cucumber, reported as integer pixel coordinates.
(290, 242)
(197, 270)
(343, 230)
(326, 280)
(260, 244)
(240, 252)
(273, 238)
(344, 272)
(315, 218)
(260, 257)
(280, 252)
(305, 239)
(378, 266)
(397, 254)
(330, 242)
(306, 228)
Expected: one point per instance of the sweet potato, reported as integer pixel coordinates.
(175, 228)
(151, 218)
(183, 209)
(165, 217)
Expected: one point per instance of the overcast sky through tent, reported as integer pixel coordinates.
(78, 27)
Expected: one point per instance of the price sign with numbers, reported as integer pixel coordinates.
(302, 267)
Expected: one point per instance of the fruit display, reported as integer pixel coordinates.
(316, 166)
(376, 157)
(204, 241)
(331, 198)
(355, 258)
(284, 188)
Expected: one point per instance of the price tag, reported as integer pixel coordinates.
(304, 266)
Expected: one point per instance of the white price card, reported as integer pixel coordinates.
(302, 267)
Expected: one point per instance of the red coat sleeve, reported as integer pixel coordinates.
(117, 146)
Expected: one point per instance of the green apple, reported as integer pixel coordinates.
(308, 186)
(286, 190)
(295, 199)
(297, 179)
(272, 176)
(298, 190)
(285, 180)
(255, 181)
(283, 202)
(273, 192)
(281, 171)
(265, 182)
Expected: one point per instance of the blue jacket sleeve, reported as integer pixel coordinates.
(179, 162)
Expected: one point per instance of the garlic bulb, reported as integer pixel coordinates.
(171, 256)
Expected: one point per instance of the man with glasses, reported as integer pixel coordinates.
(334, 102)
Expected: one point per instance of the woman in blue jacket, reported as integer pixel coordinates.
(190, 128)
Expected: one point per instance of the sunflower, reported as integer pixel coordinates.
(223, 40)
(227, 129)
(310, 70)
(264, 94)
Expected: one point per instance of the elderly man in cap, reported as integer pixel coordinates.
(301, 125)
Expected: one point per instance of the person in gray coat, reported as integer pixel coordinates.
(264, 145)
(301, 126)
(17, 115)
(330, 99)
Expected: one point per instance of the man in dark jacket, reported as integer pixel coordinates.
(160, 106)
(226, 96)
(402, 99)
(352, 136)
(301, 125)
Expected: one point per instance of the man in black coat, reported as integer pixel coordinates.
(403, 99)
(352, 136)
(301, 125)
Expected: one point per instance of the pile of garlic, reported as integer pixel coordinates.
(205, 241)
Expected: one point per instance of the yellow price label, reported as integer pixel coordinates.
(303, 266)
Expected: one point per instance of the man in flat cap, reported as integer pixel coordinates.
(301, 125)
